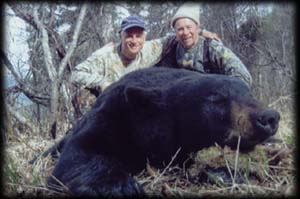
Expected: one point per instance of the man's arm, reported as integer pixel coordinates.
(224, 58)
(90, 73)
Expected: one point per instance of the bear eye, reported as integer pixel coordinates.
(217, 99)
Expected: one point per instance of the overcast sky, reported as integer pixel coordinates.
(16, 48)
(15, 37)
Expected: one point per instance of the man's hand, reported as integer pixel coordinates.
(211, 35)
(110, 44)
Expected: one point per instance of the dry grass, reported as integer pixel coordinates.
(266, 171)
(21, 178)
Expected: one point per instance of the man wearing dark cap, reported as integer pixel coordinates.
(111, 62)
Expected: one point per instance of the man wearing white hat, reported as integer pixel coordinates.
(197, 53)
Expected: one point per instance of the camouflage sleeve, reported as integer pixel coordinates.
(163, 44)
(91, 72)
(224, 58)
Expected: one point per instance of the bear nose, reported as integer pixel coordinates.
(268, 120)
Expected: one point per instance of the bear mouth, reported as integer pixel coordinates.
(246, 144)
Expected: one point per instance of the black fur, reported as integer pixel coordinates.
(148, 115)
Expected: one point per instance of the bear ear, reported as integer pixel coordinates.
(144, 98)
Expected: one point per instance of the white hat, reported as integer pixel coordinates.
(188, 10)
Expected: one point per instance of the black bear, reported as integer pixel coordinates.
(147, 116)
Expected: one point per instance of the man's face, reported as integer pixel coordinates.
(133, 41)
(186, 32)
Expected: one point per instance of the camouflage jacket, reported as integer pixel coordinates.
(208, 56)
(105, 65)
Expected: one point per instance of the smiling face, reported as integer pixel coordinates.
(187, 32)
(133, 40)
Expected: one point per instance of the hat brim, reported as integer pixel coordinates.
(133, 26)
(181, 17)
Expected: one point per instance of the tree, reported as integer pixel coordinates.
(55, 73)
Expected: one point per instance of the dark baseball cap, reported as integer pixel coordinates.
(132, 21)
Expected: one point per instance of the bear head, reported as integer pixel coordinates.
(206, 109)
